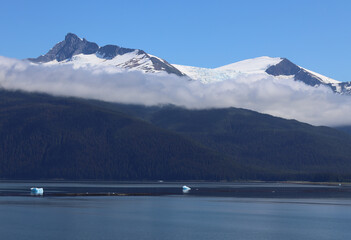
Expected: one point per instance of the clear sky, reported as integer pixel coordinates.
(315, 34)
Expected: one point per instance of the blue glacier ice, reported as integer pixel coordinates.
(36, 191)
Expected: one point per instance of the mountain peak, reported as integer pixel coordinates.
(72, 37)
(72, 45)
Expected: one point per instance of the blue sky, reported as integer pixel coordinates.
(313, 34)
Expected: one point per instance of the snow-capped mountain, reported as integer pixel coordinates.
(111, 58)
(84, 54)
(280, 68)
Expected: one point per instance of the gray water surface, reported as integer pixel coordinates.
(213, 211)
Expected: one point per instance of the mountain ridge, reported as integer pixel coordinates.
(73, 46)
(84, 54)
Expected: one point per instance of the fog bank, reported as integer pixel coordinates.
(284, 98)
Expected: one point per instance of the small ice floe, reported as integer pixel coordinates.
(36, 191)
(186, 189)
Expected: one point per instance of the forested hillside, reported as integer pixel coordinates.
(42, 136)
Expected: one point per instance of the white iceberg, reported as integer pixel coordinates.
(186, 189)
(36, 191)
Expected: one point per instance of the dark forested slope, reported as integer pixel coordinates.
(47, 137)
(262, 140)
(42, 136)
(276, 147)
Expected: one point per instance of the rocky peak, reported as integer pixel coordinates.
(71, 37)
(72, 45)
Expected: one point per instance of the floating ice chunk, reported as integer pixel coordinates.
(186, 189)
(36, 191)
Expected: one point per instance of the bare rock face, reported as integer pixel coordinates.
(72, 45)
(285, 67)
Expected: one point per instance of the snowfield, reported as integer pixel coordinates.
(234, 70)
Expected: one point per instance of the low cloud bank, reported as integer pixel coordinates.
(284, 98)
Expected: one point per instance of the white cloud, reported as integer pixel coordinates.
(284, 98)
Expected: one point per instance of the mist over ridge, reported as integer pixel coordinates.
(284, 98)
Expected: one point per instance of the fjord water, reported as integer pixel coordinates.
(162, 211)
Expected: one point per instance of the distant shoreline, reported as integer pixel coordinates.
(175, 181)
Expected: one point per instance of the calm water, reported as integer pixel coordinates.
(209, 211)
